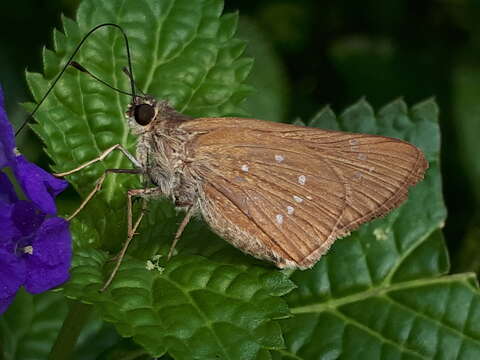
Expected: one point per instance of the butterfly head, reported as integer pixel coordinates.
(145, 113)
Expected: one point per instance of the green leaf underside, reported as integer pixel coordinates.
(380, 293)
(195, 308)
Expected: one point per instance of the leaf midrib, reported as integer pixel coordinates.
(202, 314)
(333, 304)
(382, 291)
(378, 335)
(155, 61)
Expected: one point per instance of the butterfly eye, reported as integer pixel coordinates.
(144, 113)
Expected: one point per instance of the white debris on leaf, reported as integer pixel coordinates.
(153, 264)
(381, 234)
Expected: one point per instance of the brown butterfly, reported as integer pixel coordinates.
(279, 192)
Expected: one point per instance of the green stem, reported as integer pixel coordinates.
(77, 317)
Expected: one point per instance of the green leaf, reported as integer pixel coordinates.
(29, 328)
(268, 76)
(98, 338)
(467, 113)
(466, 127)
(380, 292)
(467, 257)
(123, 350)
(193, 308)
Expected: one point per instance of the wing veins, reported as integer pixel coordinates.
(291, 168)
(351, 161)
(280, 229)
(347, 192)
(326, 225)
(299, 190)
(259, 226)
(303, 190)
(354, 166)
(396, 195)
(324, 155)
(264, 180)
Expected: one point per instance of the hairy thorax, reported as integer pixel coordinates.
(164, 155)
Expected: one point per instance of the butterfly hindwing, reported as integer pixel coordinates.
(285, 192)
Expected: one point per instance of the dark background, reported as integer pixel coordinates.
(331, 52)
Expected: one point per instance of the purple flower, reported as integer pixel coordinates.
(35, 245)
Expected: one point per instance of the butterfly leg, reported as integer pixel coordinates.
(98, 184)
(131, 226)
(98, 187)
(102, 156)
(180, 229)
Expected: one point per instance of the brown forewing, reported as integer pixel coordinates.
(285, 193)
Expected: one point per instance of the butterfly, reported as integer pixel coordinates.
(279, 192)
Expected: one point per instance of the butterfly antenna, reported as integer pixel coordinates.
(79, 67)
(130, 76)
(69, 63)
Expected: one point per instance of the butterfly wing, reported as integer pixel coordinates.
(285, 193)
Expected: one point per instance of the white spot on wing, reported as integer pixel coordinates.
(357, 176)
(279, 158)
(245, 168)
(298, 199)
(302, 179)
(290, 210)
(362, 157)
(239, 179)
(279, 219)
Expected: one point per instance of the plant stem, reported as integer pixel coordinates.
(78, 315)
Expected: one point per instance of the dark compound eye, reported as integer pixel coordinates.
(144, 113)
